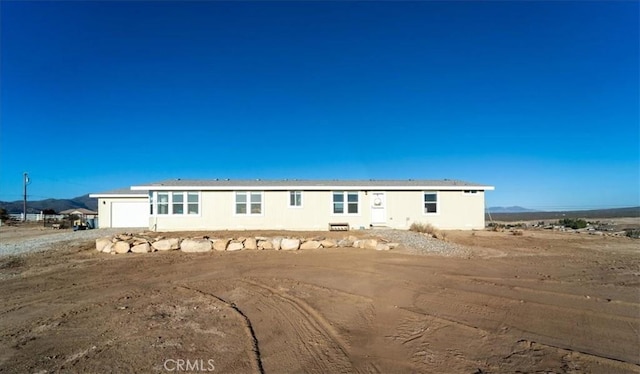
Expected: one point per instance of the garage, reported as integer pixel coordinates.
(129, 214)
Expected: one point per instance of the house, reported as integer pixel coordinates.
(222, 204)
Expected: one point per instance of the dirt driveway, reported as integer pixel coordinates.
(542, 302)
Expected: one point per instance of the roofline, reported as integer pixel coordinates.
(107, 195)
(308, 188)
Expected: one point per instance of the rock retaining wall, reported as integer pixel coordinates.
(144, 243)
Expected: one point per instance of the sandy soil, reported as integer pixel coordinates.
(541, 302)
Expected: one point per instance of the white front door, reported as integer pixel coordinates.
(378, 208)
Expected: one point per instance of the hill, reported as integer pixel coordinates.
(36, 206)
(509, 209)
(593, 214)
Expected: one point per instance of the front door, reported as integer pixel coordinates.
(378, 208)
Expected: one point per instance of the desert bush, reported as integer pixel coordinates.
(424, 228)
(632, 233)
(574, 223)
(498, 227)
(517, 232)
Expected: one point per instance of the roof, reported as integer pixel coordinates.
(121, 192)
(310, 184)
(78, 210)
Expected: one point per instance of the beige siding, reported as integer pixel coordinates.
(456, 210)
(104, 208)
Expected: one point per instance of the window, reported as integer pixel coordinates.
(163, 203)
(248, 202)
(151, 203)
(178, 202)
(430, 202)
(193, 202)
(342, 197)
(175, 202)
(295, 199)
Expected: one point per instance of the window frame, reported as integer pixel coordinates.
(155, 203)
(424, 202)
(345, 202)
(292, 193)
(248, 203)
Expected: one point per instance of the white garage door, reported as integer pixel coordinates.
(129, 214)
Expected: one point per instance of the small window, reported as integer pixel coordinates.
(163, 203)
(338, 202)
(177, 202)
(151, 203)
(295, 199)
(193, 202)
(430, 202)
(342, 197)
(256, 203)
(352, 206)
(241, 203)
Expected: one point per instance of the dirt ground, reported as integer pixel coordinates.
(542, 302)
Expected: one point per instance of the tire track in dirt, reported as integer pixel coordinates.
(248, 326)
(311, 329)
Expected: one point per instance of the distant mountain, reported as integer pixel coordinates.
(586, 214)
(36, 206)
(509, 209)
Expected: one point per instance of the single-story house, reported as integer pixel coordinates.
(80, 212)
(223, 204)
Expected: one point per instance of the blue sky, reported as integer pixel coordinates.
(540, 99)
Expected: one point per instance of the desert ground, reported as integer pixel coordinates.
(543, 302)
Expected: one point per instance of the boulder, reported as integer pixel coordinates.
(121, 247)
(290, 244)
(195, 245)
(166, 244)
(124, 237)
(370, 244)
(221, 244)
(276, 243)
(352, 238)
(267, 244)
(382, 247)
(250, 243)
(235, 246)
(108, 248)
(102, 242)
(328, 243)
(141, 248)
(345, 243)
(358, 244)
(311, 244)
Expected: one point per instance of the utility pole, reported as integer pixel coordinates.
(24, 206)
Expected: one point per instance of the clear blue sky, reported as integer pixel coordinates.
(540, 99)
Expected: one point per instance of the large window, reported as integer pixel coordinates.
(176, 202)
(430, 202)
(340, 198)
(248, 202)
(295, 199)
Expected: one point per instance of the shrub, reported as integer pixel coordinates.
(632, 233)
(517, 232)
(574, 223)
(424, 228)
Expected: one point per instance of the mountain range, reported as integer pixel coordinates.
(509, 209)
(58, 205)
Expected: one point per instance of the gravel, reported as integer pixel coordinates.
(412, 242)
(419, 244)
(48, 241)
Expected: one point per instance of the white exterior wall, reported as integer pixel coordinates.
(104, 208)
(456, 210)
